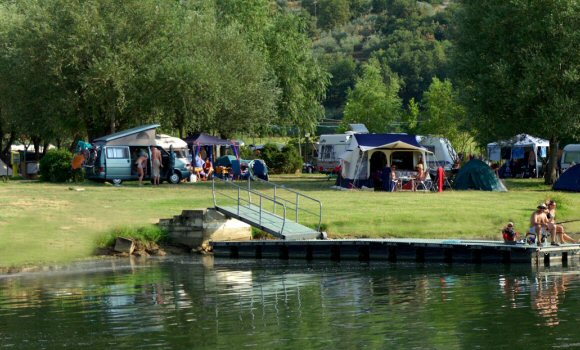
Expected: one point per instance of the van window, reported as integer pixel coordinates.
(117, 152)
(572, 156)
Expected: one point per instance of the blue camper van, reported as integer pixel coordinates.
(114, 156)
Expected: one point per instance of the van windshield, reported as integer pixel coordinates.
(572, 156)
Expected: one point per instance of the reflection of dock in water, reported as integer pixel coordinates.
(418, 250)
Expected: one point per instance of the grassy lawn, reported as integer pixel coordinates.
(41, 223)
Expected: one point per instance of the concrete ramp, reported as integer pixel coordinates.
(270, 214)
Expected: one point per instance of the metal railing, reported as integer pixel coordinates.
(246, 201)
(296, 196)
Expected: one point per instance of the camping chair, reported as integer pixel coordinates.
(424, 182)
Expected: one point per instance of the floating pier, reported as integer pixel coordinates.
(417, 250)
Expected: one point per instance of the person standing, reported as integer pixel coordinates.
(141, 163)
(157, 164)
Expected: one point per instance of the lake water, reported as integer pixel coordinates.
(201, 303)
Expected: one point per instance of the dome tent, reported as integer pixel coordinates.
(476, 175)
(569, 180)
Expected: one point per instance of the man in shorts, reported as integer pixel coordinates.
(539, 226)
(156, 165)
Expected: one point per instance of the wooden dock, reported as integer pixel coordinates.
(417, 250)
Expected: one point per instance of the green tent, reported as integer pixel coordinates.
(476, 175)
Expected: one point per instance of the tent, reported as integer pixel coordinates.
(524, 152)
(196, 141)
(477, 175)
(569, 180)
(367, 155)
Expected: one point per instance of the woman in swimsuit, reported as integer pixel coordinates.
(141, 166)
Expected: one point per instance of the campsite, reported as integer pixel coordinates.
(60, 222)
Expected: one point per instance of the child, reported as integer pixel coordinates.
(509, 233)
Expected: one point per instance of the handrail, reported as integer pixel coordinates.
(249, 200)
(298, 195)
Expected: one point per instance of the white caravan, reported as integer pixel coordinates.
(443, 152)
(571, 154)
(331, 146)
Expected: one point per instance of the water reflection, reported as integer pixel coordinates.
(201, 303)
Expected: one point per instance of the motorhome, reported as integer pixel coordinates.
(570, 155)
(115, 156)
(331, 146)
(176, 144)
(443, 153)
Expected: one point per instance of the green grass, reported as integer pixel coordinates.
(42, 223)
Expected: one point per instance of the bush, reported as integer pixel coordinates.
(55, 166)
(281, 161)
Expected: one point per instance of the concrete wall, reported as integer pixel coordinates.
(196, 228)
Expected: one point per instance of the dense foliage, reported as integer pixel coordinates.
(281, 160)
(55, 166)
(521, 78)
(72, 70)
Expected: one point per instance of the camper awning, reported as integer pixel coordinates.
(392, 141)
(139, 136)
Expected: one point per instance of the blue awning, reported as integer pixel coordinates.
(393, 141)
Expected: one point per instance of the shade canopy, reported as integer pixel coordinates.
(203, 139)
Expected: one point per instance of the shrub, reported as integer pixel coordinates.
(55, 166)
(281, 161)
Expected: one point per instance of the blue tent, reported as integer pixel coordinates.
(569, 180)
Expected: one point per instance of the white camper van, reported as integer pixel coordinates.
(443, 152)
(179, 146)
(571, 154)
(331, 146)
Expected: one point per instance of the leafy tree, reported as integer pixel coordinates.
(517, 64)
(411, 117)
(343, 75)
(443, 114)
(374, 101)
(301, 79)
(282, 37)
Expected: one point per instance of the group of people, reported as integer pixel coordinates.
(542, 225)
(395, 182)
(156, 165)
(203, 170)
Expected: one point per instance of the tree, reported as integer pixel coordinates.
(443, 114)
(282, 37)
(518, 66)
(374, 101)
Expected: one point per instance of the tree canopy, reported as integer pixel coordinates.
(92, 67)
(518, 67)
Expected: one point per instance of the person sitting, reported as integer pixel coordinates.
(539, 226)
(198, 169)
(557, 228)
(421, 176)
(207, 169)
(509, 233)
